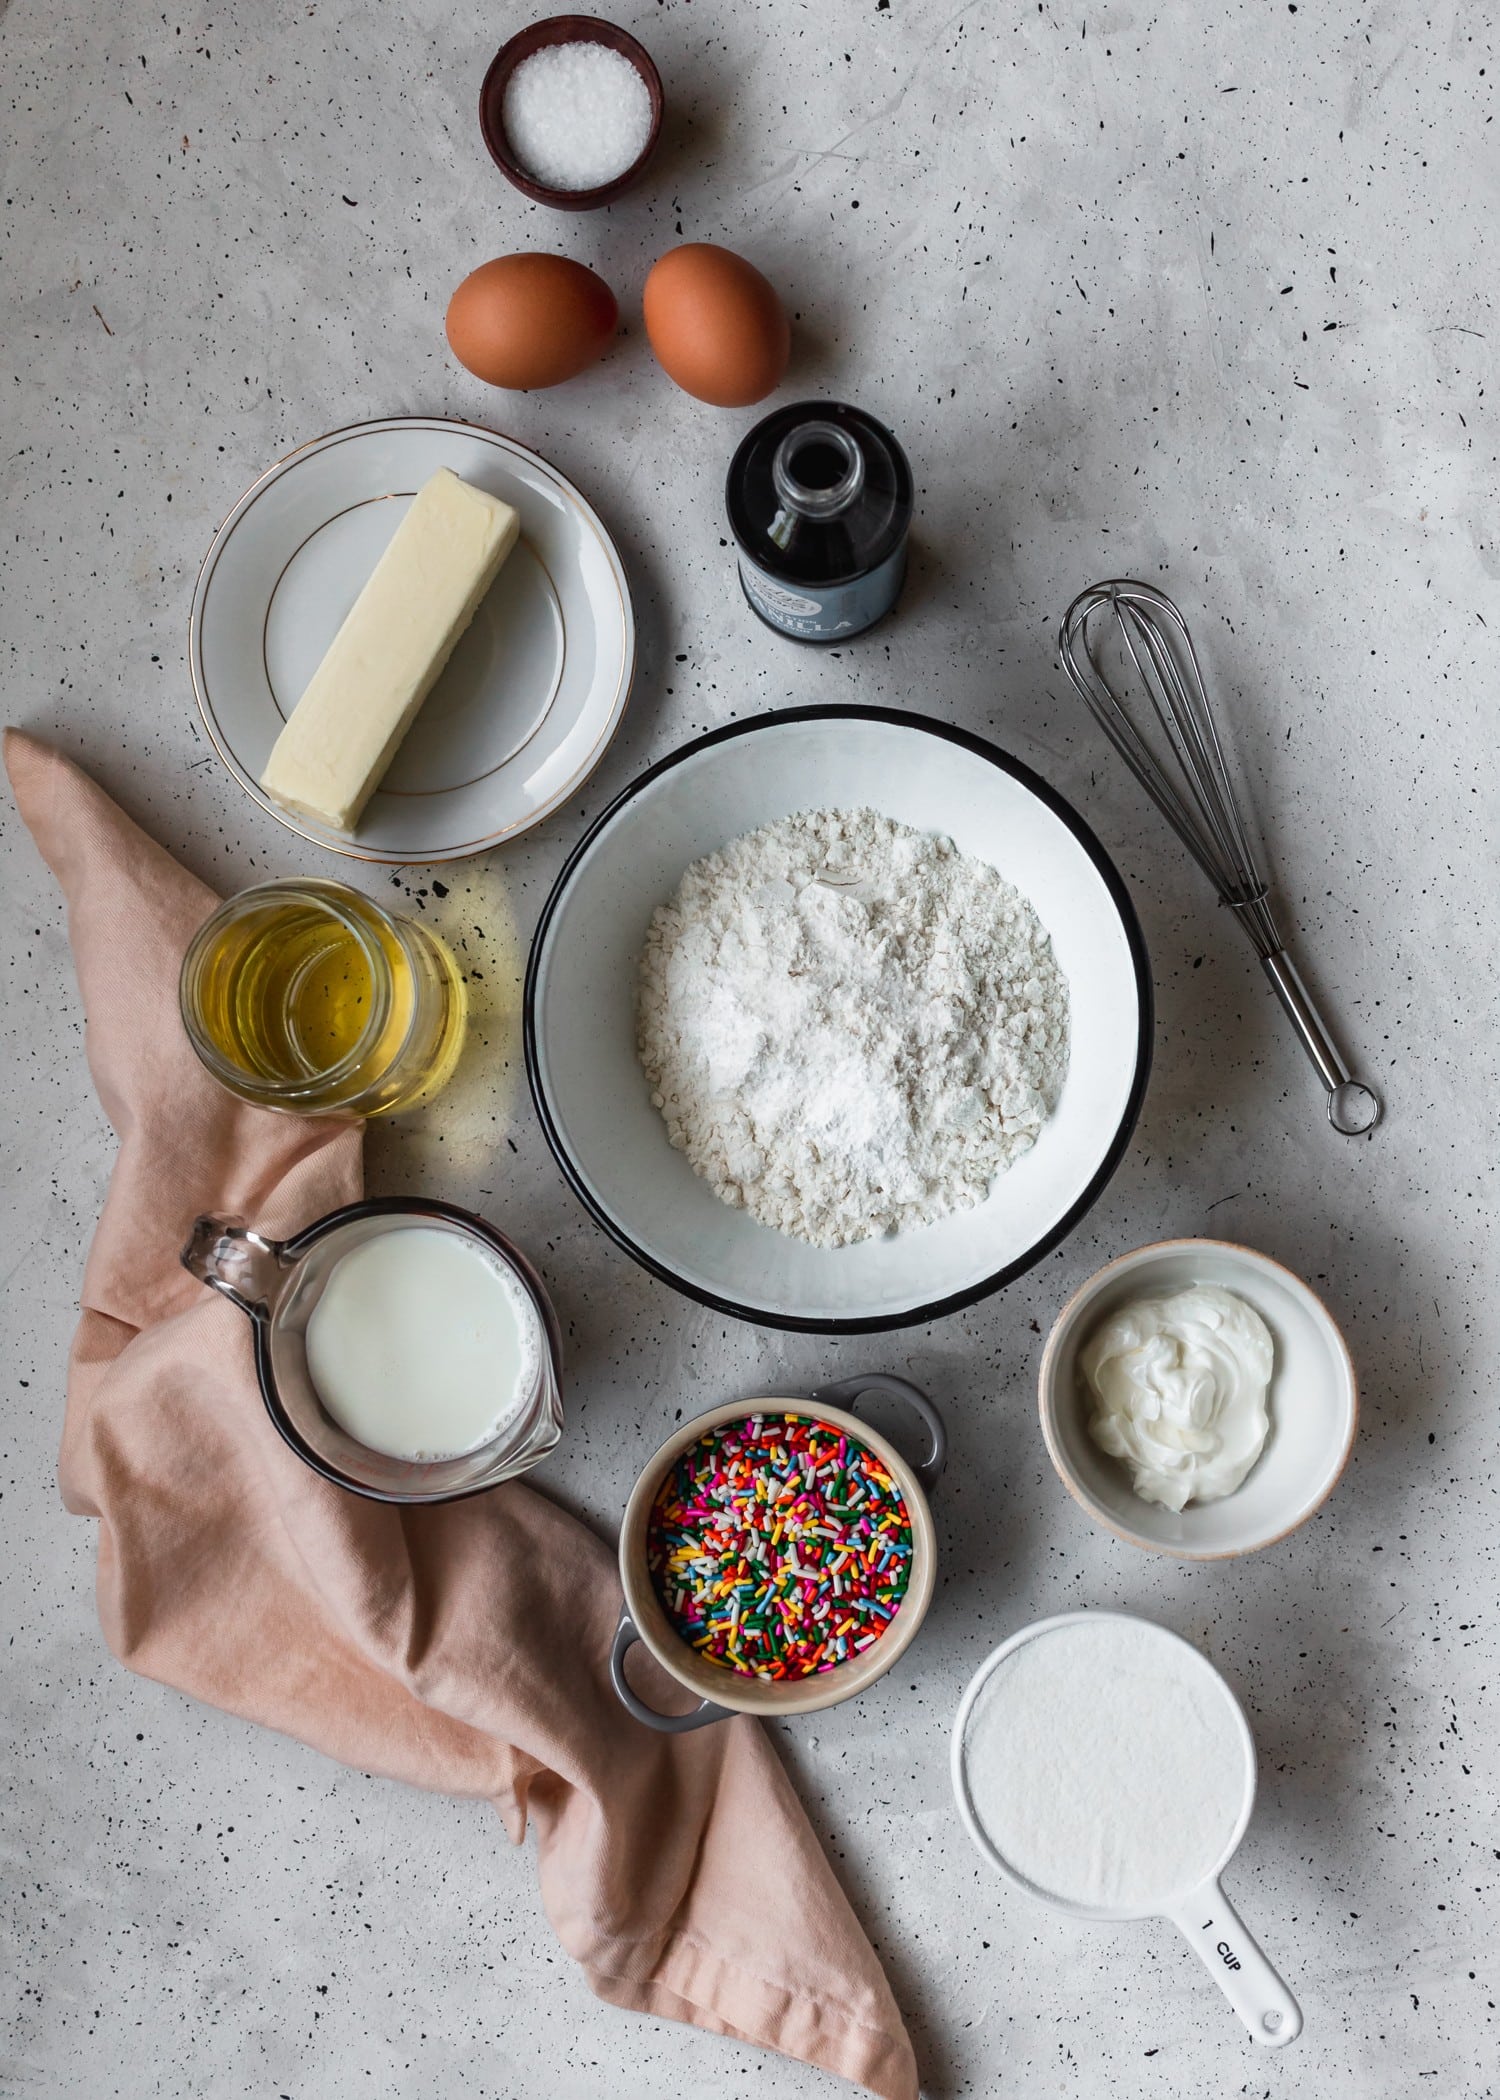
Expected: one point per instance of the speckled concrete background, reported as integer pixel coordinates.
(1203, 293)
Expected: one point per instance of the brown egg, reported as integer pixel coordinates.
(716, 326)
(530, 320)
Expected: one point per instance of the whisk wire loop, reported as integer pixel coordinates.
(1172, 745)
(1180, 702)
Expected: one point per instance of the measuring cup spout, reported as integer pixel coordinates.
(231, 1259)
(1209, 1923)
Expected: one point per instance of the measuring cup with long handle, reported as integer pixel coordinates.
(1203, 1915)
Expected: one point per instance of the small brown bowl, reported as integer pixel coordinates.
(563, 29)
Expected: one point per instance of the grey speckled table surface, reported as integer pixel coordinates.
(1200, 292)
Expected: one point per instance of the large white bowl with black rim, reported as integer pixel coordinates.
(580, 1026)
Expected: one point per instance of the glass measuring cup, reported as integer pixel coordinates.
(277, 1283)
(1198, 1907)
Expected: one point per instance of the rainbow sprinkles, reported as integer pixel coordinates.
(779, 1546)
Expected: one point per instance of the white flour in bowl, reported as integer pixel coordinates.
(1106, 1765)
(849, 1026)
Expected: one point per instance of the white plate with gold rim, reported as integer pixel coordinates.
(531, 696)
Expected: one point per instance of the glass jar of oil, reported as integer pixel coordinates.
(309, 997)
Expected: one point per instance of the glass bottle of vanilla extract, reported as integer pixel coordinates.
(820, 500)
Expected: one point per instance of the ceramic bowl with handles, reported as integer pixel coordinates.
(722, 1691)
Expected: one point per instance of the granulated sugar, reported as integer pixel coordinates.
(850, 1027)
(576, 115)
(1106, 1765)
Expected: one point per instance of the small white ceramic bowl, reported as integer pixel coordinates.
(591, 1094)
(1314, 1404)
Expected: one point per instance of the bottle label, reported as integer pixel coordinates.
(814, 614)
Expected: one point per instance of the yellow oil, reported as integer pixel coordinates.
(313, 999)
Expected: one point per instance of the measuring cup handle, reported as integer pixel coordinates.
(664, 1724)
(231, 1259)
(848, 1390)
(1209, 1923)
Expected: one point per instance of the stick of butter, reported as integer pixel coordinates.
(387, 656)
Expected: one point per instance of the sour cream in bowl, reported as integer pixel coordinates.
(1197, 1399)
(1177, 1390)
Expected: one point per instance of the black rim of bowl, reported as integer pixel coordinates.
(971, 1294)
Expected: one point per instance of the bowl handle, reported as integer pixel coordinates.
(664, 1724)
(848, 1390)
(1208, 1922)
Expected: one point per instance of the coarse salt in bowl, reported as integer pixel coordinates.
(571, 111)
(576, 115)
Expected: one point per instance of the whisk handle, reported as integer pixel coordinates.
(1353, 1107)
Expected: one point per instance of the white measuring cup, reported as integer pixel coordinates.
(1199, 1909)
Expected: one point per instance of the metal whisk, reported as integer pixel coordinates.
(1167, 735)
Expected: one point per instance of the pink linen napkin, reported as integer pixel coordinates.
(463, 1648)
